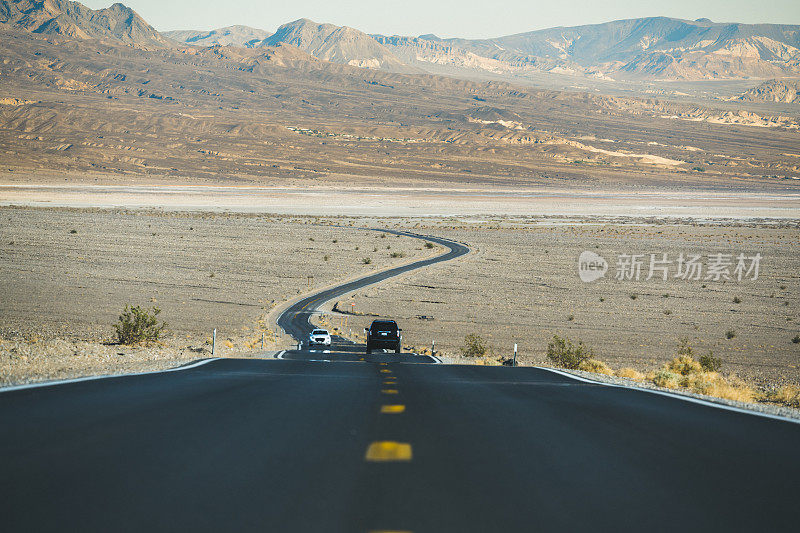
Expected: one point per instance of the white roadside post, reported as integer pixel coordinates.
(214, 342)
(515, 355)
(433, 347)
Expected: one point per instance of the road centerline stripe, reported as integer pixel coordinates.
(388, 450)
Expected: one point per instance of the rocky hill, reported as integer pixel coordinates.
(656, 47)
(338, 44)
(244, 36)
(779, 91)
(74, 20)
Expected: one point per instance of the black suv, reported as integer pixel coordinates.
(384, 334)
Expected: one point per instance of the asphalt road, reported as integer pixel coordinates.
(294, 319)
(323, 441)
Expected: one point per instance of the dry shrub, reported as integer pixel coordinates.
(565, 354)
(665, 378)
(684, 371)
(787, 395)
(630, 373)
(138, 325)
(684, 365)
(474, 346)
(598, 367)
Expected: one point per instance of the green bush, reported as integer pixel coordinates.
(565, 354)
(367, 261)
(137, 325)
(474, 346)
(428, 245)
(710, 363)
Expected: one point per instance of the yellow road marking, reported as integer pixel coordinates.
(389, 391)
(386, 371)
(388, 450)
(384, 364)
(392, 409)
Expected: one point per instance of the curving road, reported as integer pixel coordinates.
(295, 319)
(328, 442)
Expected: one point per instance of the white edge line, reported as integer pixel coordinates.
(280, 354)
(676, 396)
(108, 376)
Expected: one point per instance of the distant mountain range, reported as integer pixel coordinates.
(657, 48)
(73, 19)
(244, 36)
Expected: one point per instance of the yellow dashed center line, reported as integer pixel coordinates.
(388, 450)
(389, 391)
(392, 409)
(386, 371)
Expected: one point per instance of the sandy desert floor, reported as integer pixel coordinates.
(521, 285)
(62, 291)
(67, 274)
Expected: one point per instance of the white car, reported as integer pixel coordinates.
(319, 337)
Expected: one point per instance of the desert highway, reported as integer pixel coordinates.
(323, 441)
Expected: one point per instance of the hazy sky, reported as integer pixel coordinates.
(447, 18)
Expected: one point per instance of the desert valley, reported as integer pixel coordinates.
(250, 149)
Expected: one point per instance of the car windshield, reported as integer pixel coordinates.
(319, 332)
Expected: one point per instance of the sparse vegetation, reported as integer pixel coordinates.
(667, 312)
(562, 352)
(710, 363)
(571, 318)
(593, 365)
(730, 334)
(429, 245)
(796, 339)
(395, 255)
(137, 325)
(786, 395)
(634, 296)
(367, 260)
(326, 257)
(73, 231)
(737, 300)
(630, 373)
(474, 346)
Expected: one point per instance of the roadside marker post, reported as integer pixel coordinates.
(515, 355)
(433, 347)
(262, 340)
(214, 342)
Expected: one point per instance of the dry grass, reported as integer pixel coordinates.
(630, 373)
(787, 395)
(598, 367)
